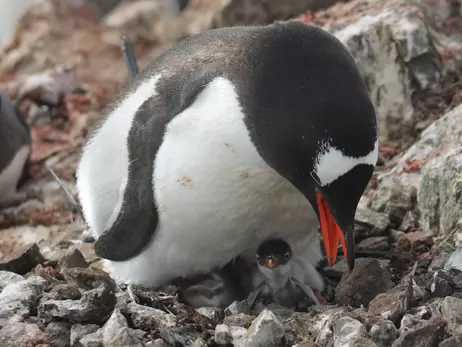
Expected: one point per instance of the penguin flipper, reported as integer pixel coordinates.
(137, 219)
(308, 291)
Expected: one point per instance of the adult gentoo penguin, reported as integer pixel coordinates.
(229, 138)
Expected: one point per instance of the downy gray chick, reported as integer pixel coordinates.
(280, 277)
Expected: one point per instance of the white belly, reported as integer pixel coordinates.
(216, 196)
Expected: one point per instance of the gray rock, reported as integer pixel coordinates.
(240, 320)
(383, 333)
(265, 331)
(455, 260)
(22, 260)
(377, 41)
(215, 314)
(439, 193)
(394, 186)
(144, 317)
(410, 322)
(370, 223)
(22, 333)
(78, 331)
(20, 298)
(237, 333)
(60, 331)
(95, 306)
(439, 286)
(377, 243)
(114, 333)
(237, 307)
(7, 278)
(439, 261)
(73, 258)
(454, 341)
(451, 309)
(223, 335)
(429, 334)
(368, 279)
(392, 304)
(346, 330)
(159, 343)
(394, 199)
(64, 292)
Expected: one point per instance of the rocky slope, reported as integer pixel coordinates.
(406, 289)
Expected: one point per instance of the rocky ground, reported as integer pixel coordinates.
(406, 289)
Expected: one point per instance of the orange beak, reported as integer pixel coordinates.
(331, 232)
(271, 264)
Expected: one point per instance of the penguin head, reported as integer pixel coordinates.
(312, 120)
(274, 256)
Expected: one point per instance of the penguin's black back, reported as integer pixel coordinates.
(291, 78)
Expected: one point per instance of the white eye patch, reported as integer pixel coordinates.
(331, 163)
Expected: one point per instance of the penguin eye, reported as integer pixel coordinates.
(287, 256)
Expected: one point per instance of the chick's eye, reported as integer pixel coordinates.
(287, 256)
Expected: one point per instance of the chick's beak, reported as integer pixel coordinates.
(271, 264)
(331, 232)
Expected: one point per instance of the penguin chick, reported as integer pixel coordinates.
(280, 276)
(15, 148)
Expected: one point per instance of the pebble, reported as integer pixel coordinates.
(346, 330)
(265, 331)
(451, 309)
(454, 341)
(60, 331)
(429, 334)
(439, 285)
(383, 333)
(95, 306)
(237, 307)
(24, 334)
(73, 258)
(370, 223)
(78, 331)
(7, 277)
(223, 335)
(368, 279)
(377, 243)
(114, 333)
(215, 314)
(144, 317)
(392, 304)
(22, 260)
(455, 260)
(20, 298)
(241, 320)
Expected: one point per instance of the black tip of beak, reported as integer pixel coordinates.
(350, 241)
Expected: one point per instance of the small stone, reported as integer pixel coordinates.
(145, 317)
(89, 278)
(455, 260)
(22, 260)
(64, 292)
(429, 334)
(454, 341)
(265, 331)
(78, 331)
(237, 333)
(24, 334)
(60, 332)
(7, 278)
(94, 306)
(419, 239)
(114, 333)
(237, 307)
(346, 330)
(438, 286)
(157, 343)
(439, 261)
(377, 243)
(73, 258)
(215, 314)
(359, 287)
(180, 335)
(223, 335)
(20, 298)
(240, 320)
(391, 305)
(409, 322)
(370, 223)
(383, 333)
(451, 309)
